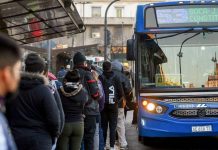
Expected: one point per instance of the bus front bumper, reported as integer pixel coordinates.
(170, 128)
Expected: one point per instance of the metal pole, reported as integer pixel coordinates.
(122, 43)
(84, 23)
(49, 55)
(105, 29)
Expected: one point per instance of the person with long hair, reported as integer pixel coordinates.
(73, 96)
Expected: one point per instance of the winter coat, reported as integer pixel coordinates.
(117, 86)
(90, 84)
(126, 85)
(61, 73)
(73, 99)
(34, 111)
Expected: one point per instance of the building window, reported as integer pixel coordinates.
(95, 33)
(119, 12)
(96, 11)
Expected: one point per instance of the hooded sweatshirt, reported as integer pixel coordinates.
(111, 76)
(34, 111)
(126, 85)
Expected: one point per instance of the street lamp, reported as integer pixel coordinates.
(105, 30)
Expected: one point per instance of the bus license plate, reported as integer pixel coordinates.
(202, 128)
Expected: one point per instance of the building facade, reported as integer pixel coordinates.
(121, 19)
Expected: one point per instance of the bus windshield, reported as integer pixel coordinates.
(160, 65)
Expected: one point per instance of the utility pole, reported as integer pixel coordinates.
(105, 30)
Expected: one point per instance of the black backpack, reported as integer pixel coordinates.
(110, 89)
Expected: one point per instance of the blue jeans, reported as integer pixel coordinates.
(101, 139)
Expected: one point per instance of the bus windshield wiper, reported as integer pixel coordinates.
(180, 54)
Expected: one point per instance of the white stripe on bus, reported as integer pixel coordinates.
(182, 94)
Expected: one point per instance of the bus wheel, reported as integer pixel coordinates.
(140, 138)
(149, 141)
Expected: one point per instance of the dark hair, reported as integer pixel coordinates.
(34, 63)
(72, 76)
(10, 53)
(107, 66)
(62, 67)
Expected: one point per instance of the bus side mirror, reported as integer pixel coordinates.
(130, 54)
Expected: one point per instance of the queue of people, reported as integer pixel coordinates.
(70, 114)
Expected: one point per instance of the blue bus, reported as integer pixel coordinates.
(174, 49)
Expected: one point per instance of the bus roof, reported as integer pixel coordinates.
(162, 24)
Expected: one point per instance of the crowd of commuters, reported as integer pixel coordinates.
(72, 113)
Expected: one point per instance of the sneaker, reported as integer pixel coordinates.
(124, 147)
(106, 148)
(112, 148)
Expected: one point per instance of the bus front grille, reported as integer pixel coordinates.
(185, 100)
(194, 113)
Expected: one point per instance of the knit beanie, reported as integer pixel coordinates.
(34, 63)
(78, 58)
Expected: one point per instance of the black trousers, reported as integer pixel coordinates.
(89, 131)
(34, 142)
(109, 116)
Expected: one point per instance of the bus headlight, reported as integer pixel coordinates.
(150, 107)
(153, 107)
(159, 109)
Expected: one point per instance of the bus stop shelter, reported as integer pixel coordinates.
(29, 21)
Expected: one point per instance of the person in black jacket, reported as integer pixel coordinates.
(127, 89)
(92, 107)
(73, 96)
(33, 115)
(113, 95)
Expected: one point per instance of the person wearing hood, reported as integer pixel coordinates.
(91, 110)
(33, 115)
(127, 89)
(73, 97)
(113, 94)
(10, 66)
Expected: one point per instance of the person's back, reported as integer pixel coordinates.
(113, 94)
(33, 115)
(92, 106)
(73, 97)
(127, 89)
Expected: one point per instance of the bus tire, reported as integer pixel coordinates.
(148, 141)
(140, 138)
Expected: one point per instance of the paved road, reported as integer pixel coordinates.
(168, 144)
